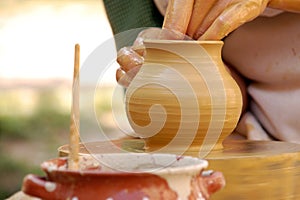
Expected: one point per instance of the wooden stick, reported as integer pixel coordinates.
(73, 163)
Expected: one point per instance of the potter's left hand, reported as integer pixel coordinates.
(214, 19)
(131, 58)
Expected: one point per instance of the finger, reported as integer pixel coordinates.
(287, 5)
(211, 16)
(161, 6)
(233, 17)
(153, 33)
(119, 74)
(128, 59)
(140, 49)
(178, 15)
(166, 34)
(149, 33)
(122, 78)
(200, 10)
(125, 79)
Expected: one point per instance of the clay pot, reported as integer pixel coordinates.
(126, 176)
(183, 96)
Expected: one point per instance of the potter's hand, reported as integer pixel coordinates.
(220, 17)
(131, 58)
(214, 19)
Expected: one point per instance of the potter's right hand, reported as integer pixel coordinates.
(131, 58)
(215, 19)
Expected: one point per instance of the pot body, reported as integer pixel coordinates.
(170, 177)
(183, 97)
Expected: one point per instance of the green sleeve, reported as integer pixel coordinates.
(125, 15)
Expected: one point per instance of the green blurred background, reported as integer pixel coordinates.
(34, 122)
(32, 125)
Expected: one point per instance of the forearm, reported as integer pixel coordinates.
(286, 5)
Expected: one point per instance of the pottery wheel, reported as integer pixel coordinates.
(252, 169)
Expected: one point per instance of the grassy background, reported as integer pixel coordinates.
(34, 122)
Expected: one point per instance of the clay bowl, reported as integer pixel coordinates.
(183, 96)
(125, 176)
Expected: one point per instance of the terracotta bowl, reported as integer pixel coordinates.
(126, 176)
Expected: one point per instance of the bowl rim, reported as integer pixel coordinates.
(197, 165)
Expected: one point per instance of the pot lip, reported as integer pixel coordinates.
(196, 166)
(208, 42)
